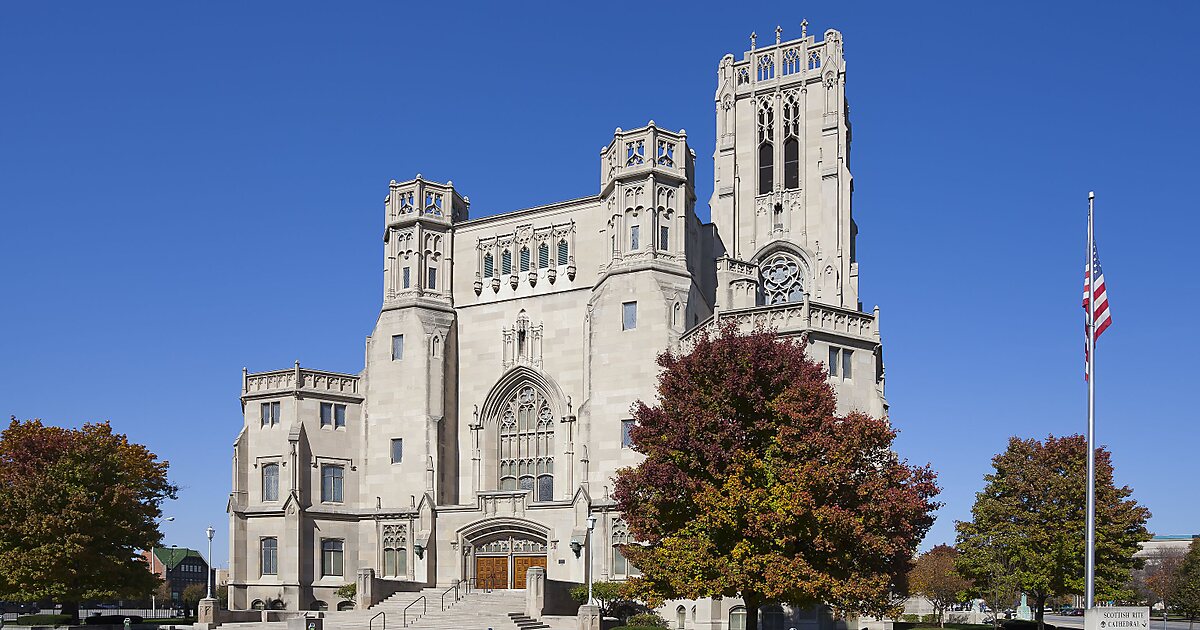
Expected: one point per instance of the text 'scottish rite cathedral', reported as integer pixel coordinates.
(493, 408)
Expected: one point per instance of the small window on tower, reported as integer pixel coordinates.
(407, 277)
(629, 316)
(432, 278)
(397, 347)
(635, 233)
(397, 450)
(664, 234)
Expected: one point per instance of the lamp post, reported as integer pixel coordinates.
(591, 523)
(154, 593)
(210, 531)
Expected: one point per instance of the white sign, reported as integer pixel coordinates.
(1117, 618)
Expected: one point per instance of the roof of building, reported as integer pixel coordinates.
(1177, 537)
(170, 557)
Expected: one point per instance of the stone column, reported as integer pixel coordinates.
(535, 592)
(365, 598)
(589, 617)
(206, 612)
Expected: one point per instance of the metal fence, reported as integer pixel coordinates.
(84, 613)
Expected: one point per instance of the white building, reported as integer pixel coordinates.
(491, 413)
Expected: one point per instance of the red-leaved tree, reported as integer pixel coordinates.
(754, 486)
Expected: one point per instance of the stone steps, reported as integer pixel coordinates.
(480, 610)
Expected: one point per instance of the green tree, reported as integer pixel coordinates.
(1034, 503)
(935, 578)
(753, 486)
(222, 593)
(76, 505)
(347, 592)
(191, 596)
(1187, 585)
(609, 596)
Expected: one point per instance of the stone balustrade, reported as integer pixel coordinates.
(300, 379)
(794, 318)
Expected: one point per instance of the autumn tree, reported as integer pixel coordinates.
(753, 486)
(76, 505)
(934, 577)
(1031, 518)
(1157, 580)
(1187, 585)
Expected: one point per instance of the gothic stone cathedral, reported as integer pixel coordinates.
(493, 408)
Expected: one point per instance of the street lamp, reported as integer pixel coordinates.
(154, 593)
(210, 531)
(591, 523)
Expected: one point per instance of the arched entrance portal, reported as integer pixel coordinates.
(500, 552)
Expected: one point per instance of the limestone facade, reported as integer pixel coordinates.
(489, 419)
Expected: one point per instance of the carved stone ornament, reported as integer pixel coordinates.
(478, 285)
(513, 281)
(496, 284)
(571, 269)
(532, 278)
(551, 274)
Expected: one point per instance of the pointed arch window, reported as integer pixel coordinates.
(506, 262)
(562, 252)
(524, 259)
(527, 444)
(543, 256)
(489, 265)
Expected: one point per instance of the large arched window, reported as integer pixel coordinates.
(680, 618)
(782, 279)
(527, 444)
(772, 617)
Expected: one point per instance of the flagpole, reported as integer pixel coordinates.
(1090, 579)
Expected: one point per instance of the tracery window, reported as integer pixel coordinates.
(527, 444)
(489, 265)
(562, 252)
(506, 262)
(782, 279)
(766, 67)
(395, 554)
(791, 61)
(524, 259)
(543, 256)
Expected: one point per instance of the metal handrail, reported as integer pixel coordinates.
(371, 623)
(424, 609)
(447, 592)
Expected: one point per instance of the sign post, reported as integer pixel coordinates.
(1117, 618)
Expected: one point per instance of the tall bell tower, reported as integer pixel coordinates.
(781, 195)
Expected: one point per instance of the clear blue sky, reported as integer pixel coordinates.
(187, 189)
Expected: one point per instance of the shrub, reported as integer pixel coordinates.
(347, 591)
(43, 620)
(646, 620)
(911, 618)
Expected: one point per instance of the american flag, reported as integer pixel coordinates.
(1099, 310)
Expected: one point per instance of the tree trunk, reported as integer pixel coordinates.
(941, 613)
(71, 609)
(752, 604)
(1040, 601)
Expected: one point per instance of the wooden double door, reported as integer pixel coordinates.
(492, 571)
